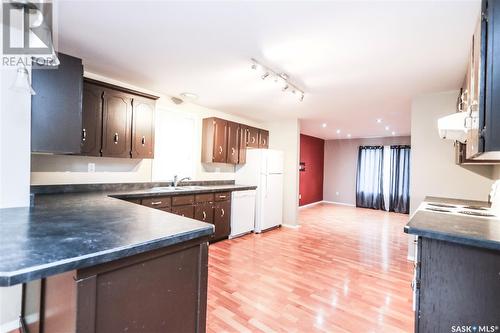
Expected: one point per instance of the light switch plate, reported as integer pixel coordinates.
(91, 167)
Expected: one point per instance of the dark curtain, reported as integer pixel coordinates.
(369, 177)
(399, 192)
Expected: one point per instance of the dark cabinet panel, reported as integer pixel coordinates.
(143, 128)
(263, 139)
(157, 202)
(242, 144)
(222, 219)
(186, 211)
(182, 200)
(253, 137)
(220, 141)
(232, 142)
(92, 120)
(56, 109)
(117, 114)
(204, 212)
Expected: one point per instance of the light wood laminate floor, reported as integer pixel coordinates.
(343, 270)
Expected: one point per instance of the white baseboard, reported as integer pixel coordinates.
(292, 226)
(338, 203)
(9, 326)
(311, 204)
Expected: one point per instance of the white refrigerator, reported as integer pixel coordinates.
(264, 169)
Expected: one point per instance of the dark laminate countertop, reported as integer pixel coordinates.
(467, 230)
(63, 232)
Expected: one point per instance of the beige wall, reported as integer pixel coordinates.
(58, 169)
(341, 158)
(433, 168)
(285, 135)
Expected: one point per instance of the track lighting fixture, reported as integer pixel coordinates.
(280, 78)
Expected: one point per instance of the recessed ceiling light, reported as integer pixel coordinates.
(323, 125)
(189, 96)
(379, 120)
(387, 128)
(349, 136)
(338, 131)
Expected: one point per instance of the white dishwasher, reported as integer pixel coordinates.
(242, 212)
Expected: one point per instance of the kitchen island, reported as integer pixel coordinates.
(102, 264)
(457, 271)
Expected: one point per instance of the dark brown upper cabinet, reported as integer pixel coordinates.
(253, 137)
(232, 142)
(214, 145)
(56, 109)
(263, 139)
(226, 142)
(116, 124)
(92, 120)
(143, 128)
(242, 143)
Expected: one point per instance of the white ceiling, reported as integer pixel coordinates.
(357, 61)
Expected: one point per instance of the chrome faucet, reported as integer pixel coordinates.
(177, 181)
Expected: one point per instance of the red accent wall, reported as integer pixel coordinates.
(312, 153)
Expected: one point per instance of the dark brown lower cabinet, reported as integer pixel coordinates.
(186, 211)
(163, 290)
(222, 219)
(456, 286)
(214, 208)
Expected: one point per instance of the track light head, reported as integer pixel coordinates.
(263, 77)
(286, 87)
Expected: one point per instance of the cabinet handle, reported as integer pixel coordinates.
(264, 142)
(222, 212)
(116, 138)
(143, 140)
(253, 139)
(84, 134)
(220, 149)
(204, 216)
(156, 203)
(233, 151)
(222, 196)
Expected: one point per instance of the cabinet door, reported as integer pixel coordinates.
(117, 114)
(232, 142)
(204, 212)
(186, 211)
(56, 109)
(222, 218)
(253, 137)
(263, 139)
(472, 147)
(242, 144)
(220, 141)
(92, 120)
(143, 128)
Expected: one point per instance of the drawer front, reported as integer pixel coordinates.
(206, 197)
(204, 212)
(158, 202)
(222, 196)
(186, 211)
(183, 200)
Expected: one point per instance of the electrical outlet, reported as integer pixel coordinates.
(300, 196)
(91, 167)
(337, 193)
